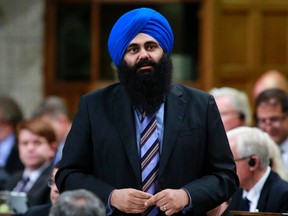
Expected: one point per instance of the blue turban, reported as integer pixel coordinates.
(142, 20)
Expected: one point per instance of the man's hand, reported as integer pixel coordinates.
(129, 200)
(169, 201)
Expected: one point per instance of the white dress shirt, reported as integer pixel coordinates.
(254, 193)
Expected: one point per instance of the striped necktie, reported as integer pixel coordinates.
(150, 156)
(21, 186)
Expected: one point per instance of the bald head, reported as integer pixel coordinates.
(270, 79)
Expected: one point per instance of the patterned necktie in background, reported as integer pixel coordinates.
(21, 186)
(150, 156)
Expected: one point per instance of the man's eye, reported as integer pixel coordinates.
(132, 50)
(151, 47)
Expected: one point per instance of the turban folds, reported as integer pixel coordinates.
(142, 20)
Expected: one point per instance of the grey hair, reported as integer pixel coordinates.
(51, 106)
(239, 101)
(78, 202)
(251, 141)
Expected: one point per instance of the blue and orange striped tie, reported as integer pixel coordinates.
(150, 156)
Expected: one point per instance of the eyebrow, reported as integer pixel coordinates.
(147, 42)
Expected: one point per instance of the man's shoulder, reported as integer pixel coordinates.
(104, 91)
(276, 183)
(188, 91)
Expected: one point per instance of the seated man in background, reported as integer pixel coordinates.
(233, 106)
(271, 113)
(10, 115)
(235, 111)
(76, 203)
(36, 145)
(54, 110)
(261, 189)
(43, 210)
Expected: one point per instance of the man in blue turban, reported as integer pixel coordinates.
(146, 90)
(144, 145)
(143, 20)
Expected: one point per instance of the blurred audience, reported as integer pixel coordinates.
(276, 161)
(78, 202)
(10, 115)
(235, 111)
(36, 144)
(261, 189)
(271, 116)
(270, 79)
(43, 210)
(234, 107)
(55, 110)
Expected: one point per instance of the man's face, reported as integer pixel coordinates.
(146, 73)
(230, 117)
(143, 47)
(34, 149)
(54, 193)
(242, 166)
(271, 119)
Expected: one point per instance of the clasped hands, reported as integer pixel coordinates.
(134, 201)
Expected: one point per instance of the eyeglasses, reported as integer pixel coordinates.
(243, 158)
(275, 121)
(51, 183)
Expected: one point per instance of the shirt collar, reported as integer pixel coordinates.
(34, 174)
(284, 146)
(254, 193)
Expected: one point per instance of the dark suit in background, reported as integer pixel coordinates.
(273, 197)
(13, 162)
(101, 152)
(39, 192)
(10, 115)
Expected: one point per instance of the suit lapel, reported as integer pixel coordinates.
(123, 115)
(174, 113)
(262, 202)
(236, 200)
(41, 182)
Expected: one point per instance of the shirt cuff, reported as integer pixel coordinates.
(189, 206)
(109, 208)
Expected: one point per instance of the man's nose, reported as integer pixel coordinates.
(143, 54)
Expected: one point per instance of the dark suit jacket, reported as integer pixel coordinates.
(40, 192)
(13, 163)
(39, 210)
(273, 197)
(100, 153)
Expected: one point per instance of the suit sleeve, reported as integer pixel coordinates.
(76, 165)
(219, 179)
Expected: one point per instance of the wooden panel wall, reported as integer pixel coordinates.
(242, 39)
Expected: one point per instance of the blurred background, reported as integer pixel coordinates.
(59, 47)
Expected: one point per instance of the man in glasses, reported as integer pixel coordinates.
(271, 116)
(261, 189)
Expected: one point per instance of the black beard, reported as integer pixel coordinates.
(147, 89)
